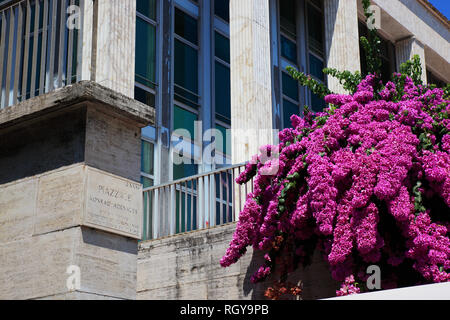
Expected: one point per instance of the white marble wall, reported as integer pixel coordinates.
(109, 31)
(406, 49)
(341, 38)
(251, 80)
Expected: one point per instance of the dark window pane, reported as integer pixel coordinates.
(183, 119)
(147, 8)
(288, 49)
(223, 88)
(186, 68)
(288, 110)
(315, 29)
(222, 9)
(386, 70)
(433, 79)
(318, 3)
(144, 96)
(145, 53)
(287, 16)
(222, 47)
(225, 148)
(316, 67)
(146, 182)
(147, 152)
(290, 86)
(184, 170)
(186, 26)
(317, 104)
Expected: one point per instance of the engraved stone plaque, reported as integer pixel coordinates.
(113, 204)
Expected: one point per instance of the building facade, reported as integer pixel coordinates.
(212, 75)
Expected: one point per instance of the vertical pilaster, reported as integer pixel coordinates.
(251, 79)
(164, 106)
(115, 44)
(341, 38)
(206, 56)
(406, 49)
(108, 36)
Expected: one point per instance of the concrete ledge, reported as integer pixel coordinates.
(437, 291)
(84, 91)
(186, 266)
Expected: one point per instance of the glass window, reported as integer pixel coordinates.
(316, 67)
(147, 8)
(287, 17)
(145, 53)
(222, 47)
(146, 182)
(225, 148)
(223, 91)
(290, 86)
(144, 96)
(317, 104)
(288, 110)
(288, 49)
(184, 170)
(183, 119)
(147, 153)
(186, 26)
(186, 70)
(222, 9)
(315, 29)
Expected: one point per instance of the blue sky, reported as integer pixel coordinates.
(443, 6)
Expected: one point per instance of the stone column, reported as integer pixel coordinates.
(251, 80)
(70, 197)
(108, 53)
(341, 38)
(405, 50)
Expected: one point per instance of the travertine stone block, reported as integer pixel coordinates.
(69, 197)
(60, 200)
(35, 267)
(107, 263)
(17, 210)
(112, 144)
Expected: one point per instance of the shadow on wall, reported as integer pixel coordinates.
(315, 278)
(186, 266)
(43, 145)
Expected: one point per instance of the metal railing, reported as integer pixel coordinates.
(194, 203)
(38, 51)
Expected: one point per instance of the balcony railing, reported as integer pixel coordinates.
(194, 203)
(39, 50)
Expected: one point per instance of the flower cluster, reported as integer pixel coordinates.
(368, 179)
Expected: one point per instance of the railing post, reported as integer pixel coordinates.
(200, 209)
(172, 213)
(155, 214)
(212, 197)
